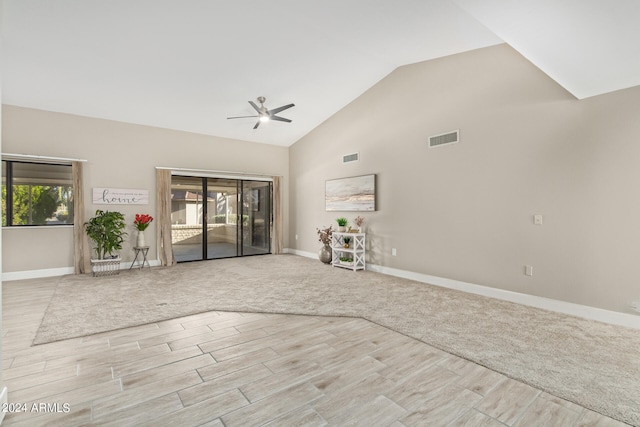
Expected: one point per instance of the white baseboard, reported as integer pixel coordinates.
(52, 272)
(4, 399)
(300, 253)
(36, 274)
(592, 313)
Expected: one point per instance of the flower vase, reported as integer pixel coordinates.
(140, 241)
(325, 254)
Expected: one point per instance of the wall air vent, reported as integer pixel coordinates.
(348, 158)
(444, 139)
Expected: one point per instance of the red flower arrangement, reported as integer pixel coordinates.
(142, 221)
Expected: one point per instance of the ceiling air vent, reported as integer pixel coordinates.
(444, 139)
(348, 158)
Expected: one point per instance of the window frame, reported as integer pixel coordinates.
(8, 176)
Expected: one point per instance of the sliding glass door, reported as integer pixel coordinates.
(187, 206)
(222, 228)
(219, 217)
(256, 218)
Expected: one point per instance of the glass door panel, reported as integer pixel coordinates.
(222, 227)
(187, 218)
(256, 217)
(219, 218)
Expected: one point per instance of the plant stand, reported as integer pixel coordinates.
(105, 267)
(143, 251)
(356, 250)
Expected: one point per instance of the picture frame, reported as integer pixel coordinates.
(353, 194)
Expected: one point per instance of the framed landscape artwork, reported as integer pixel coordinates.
(351, 194)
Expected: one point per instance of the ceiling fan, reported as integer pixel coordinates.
(264, 114)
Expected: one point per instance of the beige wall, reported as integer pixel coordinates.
(465, 211)
(119, 155)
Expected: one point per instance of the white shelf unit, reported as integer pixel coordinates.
(356, 250)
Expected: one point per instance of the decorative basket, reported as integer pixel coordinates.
(105, 267)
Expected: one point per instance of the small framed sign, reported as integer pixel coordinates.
(120, 196)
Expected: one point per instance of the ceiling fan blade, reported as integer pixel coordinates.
(280, 119)
(253, 104)
(240, 117)
(257, 124)
(279, 109)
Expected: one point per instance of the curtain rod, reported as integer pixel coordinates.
(11, 156)
(209, 172)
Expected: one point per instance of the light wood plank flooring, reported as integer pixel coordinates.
(243, 369)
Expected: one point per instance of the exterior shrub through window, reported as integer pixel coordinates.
(36, 194)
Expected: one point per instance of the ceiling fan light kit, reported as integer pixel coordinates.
(264, 114)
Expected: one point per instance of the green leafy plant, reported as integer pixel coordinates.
(346, 259)
(342, 221)
(106, 229)
(347, 240)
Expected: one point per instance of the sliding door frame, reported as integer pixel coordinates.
(240, 181)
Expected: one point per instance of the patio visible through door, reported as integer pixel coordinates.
(220, 217)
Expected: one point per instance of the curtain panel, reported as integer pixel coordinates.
(276, 239)
(81, 251)
(163, 187)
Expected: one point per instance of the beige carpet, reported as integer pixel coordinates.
(593, 364)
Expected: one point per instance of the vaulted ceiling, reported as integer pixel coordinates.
(190, 64)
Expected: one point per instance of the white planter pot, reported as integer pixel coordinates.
(140, 243)
(105, 267)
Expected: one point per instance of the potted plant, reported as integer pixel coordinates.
(324, 236)
(342, 224)
(347, 241)
(141, 223)
(346, 261)
(106, 230)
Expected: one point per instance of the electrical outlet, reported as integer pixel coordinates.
(528, 270)
(537, 219)
(296, 237)
(394, 252)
